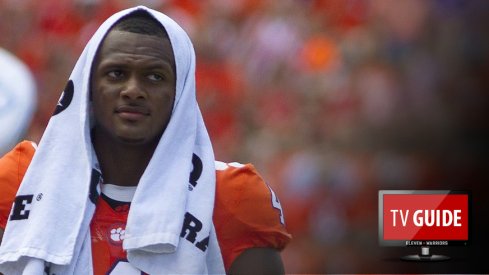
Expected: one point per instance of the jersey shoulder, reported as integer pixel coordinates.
(13, 166)
(247, 212)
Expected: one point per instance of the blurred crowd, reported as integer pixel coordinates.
(331, 100)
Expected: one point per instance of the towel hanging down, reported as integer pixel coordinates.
(56, 200)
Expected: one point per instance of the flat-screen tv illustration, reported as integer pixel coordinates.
(424, 218)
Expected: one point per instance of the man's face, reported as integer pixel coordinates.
(133, 86)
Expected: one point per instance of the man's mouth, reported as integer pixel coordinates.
(132, 113)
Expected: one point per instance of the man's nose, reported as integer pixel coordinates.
(133, 89)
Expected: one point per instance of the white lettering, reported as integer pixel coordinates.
(417, 221)
(437, 217)
(447, 217)
(404, 219)
(429, 217)
(394, 212)
(457, 218)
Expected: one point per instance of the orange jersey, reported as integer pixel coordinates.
(246, 214)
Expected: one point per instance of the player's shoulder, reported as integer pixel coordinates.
(243, 193)
(247, 213)
(25, 146)
(13, 166)
(235, 170)
(236, 179)
(19, 158)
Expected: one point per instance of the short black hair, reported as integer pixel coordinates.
(140, 22)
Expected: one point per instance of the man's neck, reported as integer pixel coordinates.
(121, 163)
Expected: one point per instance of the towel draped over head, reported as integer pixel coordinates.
(58, 195)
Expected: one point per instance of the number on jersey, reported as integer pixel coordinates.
(276, 204)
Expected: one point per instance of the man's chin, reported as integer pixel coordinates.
(135, 139)
(132, 140)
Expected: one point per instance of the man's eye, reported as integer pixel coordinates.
(155, 77)
(115, 74)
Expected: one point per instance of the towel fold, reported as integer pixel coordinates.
(169, 227)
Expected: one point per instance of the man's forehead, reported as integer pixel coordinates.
(117, 42)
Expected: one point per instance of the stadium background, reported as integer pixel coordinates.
(331, 100)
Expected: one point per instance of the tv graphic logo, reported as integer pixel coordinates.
(423, 218)
(429, 217)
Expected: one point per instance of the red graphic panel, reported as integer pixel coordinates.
(425, 216)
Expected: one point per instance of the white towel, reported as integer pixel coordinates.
(59, 188)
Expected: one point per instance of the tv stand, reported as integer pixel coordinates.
(425, 256)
